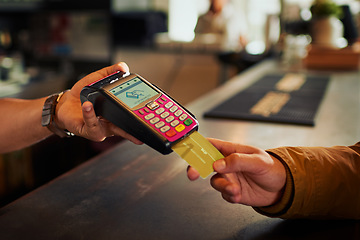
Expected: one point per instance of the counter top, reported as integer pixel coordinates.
(133, 192)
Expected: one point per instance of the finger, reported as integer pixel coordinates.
(121, 66)
(192, 173)
(92, 122)
(227, 148)
(106, 71)
(231, 198)
(238, 162)
(120, 132)
(229, 191)
(219, 183)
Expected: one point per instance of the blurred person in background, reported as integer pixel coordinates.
(225, 23)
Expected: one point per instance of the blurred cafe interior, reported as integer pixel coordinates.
(47, 45)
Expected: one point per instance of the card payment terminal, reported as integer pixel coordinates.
(144, 111)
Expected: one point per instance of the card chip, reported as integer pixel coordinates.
(198, 152)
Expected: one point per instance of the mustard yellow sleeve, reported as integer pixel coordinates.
(321, 183)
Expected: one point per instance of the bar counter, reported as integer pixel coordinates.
(133, 192)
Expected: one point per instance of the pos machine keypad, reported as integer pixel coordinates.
(166, 117)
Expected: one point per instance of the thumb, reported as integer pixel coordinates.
(236, 162)
(89, 115)
(220, 166)
(93, 127)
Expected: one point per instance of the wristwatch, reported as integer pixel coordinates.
(48, 114)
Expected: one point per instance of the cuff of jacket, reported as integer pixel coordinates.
(280, 208)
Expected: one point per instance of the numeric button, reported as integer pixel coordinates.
(174, 123)
(173, 108)
(160, 124)
(154, 120)
(178, 113)
(183, 117)
(169, 105)
(160, 111)
(165, 129)
(164, 114)
(149, 116)
(169, 119)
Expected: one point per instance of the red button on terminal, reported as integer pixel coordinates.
(171, 133)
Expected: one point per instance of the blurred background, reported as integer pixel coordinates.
(47, 45)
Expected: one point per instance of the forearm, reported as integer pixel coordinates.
(21, 123)
(325, 182)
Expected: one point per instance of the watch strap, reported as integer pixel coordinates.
(48, 114)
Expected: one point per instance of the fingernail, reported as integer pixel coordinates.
(220, 164)
(124, 66)
(87, 108)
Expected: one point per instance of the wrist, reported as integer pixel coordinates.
(285, 196)
(49, 115)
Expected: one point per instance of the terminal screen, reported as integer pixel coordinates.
(134, 92)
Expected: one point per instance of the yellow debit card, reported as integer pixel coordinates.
(198, 152)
